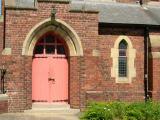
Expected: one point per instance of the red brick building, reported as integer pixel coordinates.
(77, 51)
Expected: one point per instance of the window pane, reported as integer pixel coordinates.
(60, 49)
(39, 49)
(122, 52)
(50, 49)
(123, 45)
(50, 39)
(122, 67)
(41, 41)
(58, 40)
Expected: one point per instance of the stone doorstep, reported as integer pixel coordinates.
(56, 104)
(59, 112)
(52, 108)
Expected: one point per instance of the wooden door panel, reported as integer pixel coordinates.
(50, 79)
(40, 91)
(59, 90)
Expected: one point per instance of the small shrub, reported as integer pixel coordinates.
(134, 112)
(97, 111)
(122, 111)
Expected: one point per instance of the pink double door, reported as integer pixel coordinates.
(50, 79)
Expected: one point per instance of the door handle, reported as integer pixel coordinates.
(51, 79)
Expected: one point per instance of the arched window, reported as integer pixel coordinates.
(123, 55)
(50, 45)
(122, 62)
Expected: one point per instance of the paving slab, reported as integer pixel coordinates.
(37, 116)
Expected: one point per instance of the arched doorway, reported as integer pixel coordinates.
(71, 40)
(50, 69)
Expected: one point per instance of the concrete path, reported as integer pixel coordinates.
(37, 116)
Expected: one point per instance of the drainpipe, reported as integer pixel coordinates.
(4, 23)
(146, 58)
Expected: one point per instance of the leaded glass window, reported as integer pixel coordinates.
(122, 59)
(50, 44)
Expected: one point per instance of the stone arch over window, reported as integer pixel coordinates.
(57, 26)
(129, 53)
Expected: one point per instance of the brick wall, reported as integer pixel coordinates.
(89, 76)
(3, 103)
(17, 81)
(1, 34)
(154, 71)
(3, 106)
(102, 80)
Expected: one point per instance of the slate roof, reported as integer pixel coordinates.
(120, 13)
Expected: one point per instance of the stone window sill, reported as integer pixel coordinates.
(3, 97)
(123, 80)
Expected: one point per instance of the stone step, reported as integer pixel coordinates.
(50, 106)
(51, 111)
(53, 108)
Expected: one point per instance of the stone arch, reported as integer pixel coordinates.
(120, 38)
(58, 26)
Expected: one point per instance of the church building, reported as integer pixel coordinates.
(76, 51)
